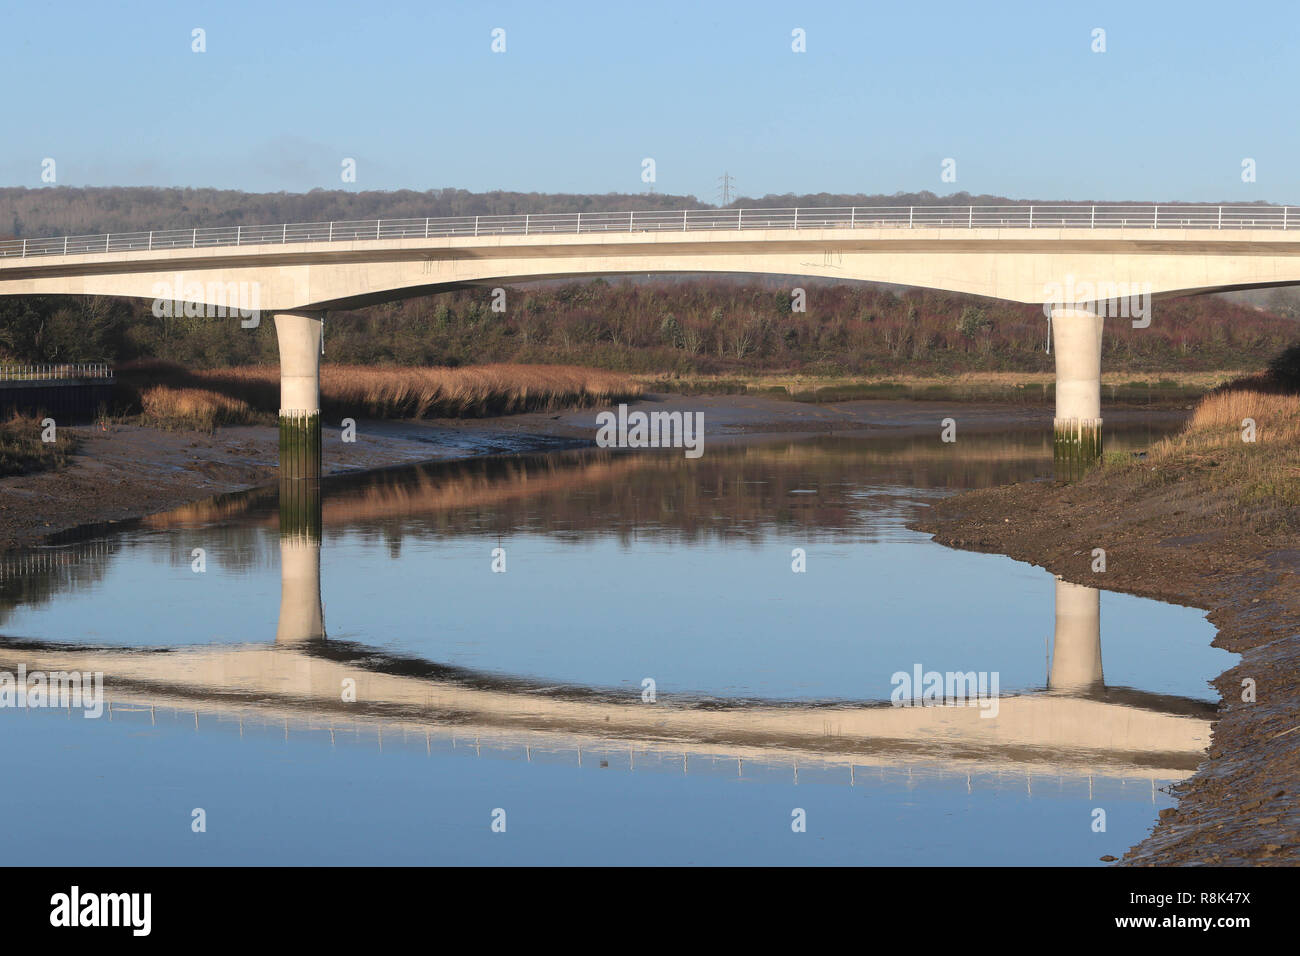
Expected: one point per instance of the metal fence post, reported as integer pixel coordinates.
(1092, 220)
(525, 224)
(909, 217)
(239, 234)
(1220, 225)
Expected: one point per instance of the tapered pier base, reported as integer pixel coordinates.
(300, 444)
(299, 336)
(1076, 446)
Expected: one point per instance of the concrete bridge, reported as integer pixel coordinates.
(1077, 260)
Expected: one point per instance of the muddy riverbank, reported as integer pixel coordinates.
(127, 471)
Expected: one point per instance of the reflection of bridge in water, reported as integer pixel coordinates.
(1076, 726)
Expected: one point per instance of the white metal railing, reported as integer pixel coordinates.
(686, 220)
(49, 373)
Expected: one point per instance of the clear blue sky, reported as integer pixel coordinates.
(885, 92)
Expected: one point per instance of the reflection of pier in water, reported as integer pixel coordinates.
(1078, 727)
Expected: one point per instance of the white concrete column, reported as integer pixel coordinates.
(299, 335)
(1076, 647)
(1076, 340)
(1076, 430)
(302, 617)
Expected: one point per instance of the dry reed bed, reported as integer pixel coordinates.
(470, 392)
(196, 408)
(406, 392)
(1220, 420)
(1215, 449)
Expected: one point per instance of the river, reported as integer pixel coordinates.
(595, 657)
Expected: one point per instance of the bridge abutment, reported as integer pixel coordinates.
(1076, 340)
(299, 337)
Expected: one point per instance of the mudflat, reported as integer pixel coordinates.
(127, 471)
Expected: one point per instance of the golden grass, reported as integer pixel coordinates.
(413, 392)
(479, 390)
(1276, 415)
(195, 408)
(1215, 448)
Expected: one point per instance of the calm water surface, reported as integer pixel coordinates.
(349, 680)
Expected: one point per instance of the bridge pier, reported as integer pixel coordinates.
(299, 337)
(1076, 339)
(1076, 644)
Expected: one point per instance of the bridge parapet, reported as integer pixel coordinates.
(1016, 216)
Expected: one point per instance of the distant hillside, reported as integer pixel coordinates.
(58, 210)
(32, 213)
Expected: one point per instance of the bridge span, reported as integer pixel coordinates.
(1074, 259)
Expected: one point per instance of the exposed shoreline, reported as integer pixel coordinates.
(130, 471)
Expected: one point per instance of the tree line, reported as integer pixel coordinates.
(688, 326)
(63, 210)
